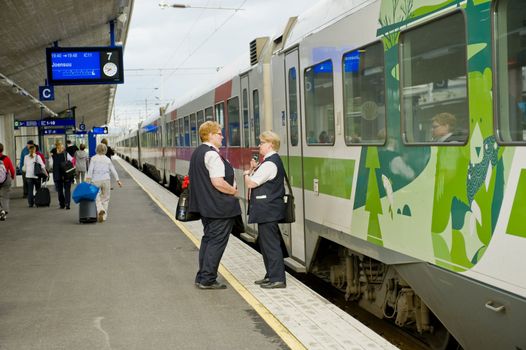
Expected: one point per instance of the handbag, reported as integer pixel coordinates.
(68, 168)
(290, 208)
(182, 213)
(39, 171)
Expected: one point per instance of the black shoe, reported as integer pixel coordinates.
(62, 207)
(67, 207)
(262, 281)
(273, 285)
(215, 285)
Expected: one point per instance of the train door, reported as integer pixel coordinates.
(246, 124)
(295, 152)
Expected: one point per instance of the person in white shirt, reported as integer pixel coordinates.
(99, 173)
(32, 180)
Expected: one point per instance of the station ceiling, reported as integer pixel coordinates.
(27, 27)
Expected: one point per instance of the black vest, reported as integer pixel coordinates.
(205, 199)
(266, 200)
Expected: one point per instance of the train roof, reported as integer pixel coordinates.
(321, 15)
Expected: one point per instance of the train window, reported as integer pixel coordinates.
(186, 131)
(234, 133)
(209, 114)
(176, 133)
(220, 118)
(246, 124)
(433, 82)
(255, 106)
(364, 95)
(193, 130)
(181, 132)
(200, 120)
(319, 104)
(510, 26)
(293, 106)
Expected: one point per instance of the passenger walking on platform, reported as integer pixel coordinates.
(267, 188)
(33, 181)
(99, 173)
(23, 154)
(109, 153)
(213, 195)
(7, 174)
(62, 181)
(82, 164)
(71, 148)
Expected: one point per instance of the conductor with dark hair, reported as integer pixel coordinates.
(213, 196)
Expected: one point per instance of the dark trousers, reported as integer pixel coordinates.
(24, 184)
(269, 237)
(64, 192)
(213, 244)
(32, 185)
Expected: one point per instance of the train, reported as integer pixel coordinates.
(425, 232)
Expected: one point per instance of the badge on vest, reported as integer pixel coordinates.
(261, 197)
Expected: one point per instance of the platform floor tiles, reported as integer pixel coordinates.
(311, 321)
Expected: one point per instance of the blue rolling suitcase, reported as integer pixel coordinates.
(87, 212)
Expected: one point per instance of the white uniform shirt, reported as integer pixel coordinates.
(213, 162)
(100, 167)
(265, 172)
(29, 164)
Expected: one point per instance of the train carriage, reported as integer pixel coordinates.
(403, 127)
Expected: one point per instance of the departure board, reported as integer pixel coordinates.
(84, 65)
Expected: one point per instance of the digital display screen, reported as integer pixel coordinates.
(84, 65)
(75, 65)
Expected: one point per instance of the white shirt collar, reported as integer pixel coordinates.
(211, 145)
(269, 154)
(445, 137)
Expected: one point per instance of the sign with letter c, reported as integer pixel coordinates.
(46, 93)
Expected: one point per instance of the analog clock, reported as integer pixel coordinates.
(110, 69)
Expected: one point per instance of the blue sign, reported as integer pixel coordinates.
(84, 65)
(75, 65)
(36, 123)
(54, 131)
(351, 62)
(82, 127)
(46, 93)
(80, 132)
(100, 130)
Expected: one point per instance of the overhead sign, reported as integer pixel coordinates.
(36, 123)
(54, 131)
(46, 93)
(84, 65)
(99, 130)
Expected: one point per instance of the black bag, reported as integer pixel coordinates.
(39, 171)
(290, 208)
(42, 197)
(68, 168)
(182, 213)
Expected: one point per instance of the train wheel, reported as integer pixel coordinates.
(441, 339)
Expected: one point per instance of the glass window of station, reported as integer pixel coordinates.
(433, 79)
(364, 95)
(319, 104)
(510, 37)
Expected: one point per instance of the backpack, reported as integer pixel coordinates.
(3, 171)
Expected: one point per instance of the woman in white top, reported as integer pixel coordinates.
(99, 173)
(82, 162)
(33, 182)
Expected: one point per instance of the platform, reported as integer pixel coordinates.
(128, 284)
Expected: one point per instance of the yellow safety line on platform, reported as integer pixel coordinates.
(281, 330)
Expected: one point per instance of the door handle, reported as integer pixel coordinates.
(491, 305)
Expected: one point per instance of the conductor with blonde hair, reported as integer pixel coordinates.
(267, 208)
(99, 173)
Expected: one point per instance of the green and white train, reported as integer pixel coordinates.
(428, 233)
